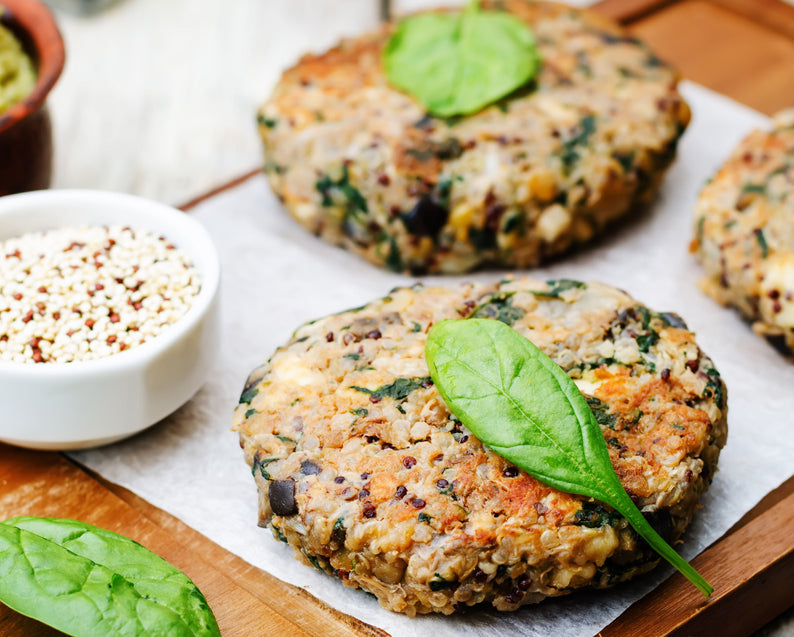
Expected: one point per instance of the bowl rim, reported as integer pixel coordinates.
(37, 21)
(140, 354)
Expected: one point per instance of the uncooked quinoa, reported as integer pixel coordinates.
(80, 293)
(365, 473)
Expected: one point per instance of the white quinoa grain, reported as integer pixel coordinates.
(88, 292)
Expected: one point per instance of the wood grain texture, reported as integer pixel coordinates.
(294, 603)
(772, 14)
(725, 51)
(757, 555)
(245, 600)
(627, 11)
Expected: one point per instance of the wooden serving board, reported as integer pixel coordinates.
(742, 48)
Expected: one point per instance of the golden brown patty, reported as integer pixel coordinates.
(361, 164)
(362, 469)
(745, 232)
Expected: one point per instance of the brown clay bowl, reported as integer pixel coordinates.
(25, 128)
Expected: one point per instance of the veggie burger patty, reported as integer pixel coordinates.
(364, 471)
(360, 164)
(745, 232)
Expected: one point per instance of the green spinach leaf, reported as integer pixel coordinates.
(521, 404)
(456, 63)
(84, 581)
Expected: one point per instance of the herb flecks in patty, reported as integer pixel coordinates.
(397, 390)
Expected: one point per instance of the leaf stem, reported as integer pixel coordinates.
(658, 544)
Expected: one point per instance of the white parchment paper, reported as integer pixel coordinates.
(276, 276)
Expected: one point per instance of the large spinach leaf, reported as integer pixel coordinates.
(456, 63)
(521, 404)
(87, 581)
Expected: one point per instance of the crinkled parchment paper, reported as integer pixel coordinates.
(276, 276)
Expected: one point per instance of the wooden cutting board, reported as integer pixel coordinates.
(742, 48)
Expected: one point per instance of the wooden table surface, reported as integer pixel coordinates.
(742, 48)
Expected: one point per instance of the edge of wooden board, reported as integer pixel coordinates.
(284, 598)
(245, 600)
(626, 11)
(750, 568)
(192, 203)
(773, 14)
(748, 592)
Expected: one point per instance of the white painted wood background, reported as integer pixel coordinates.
(158, 97)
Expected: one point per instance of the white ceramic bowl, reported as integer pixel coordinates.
(89, 403)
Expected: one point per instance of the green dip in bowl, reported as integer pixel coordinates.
(31, 60)
(17, 73)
